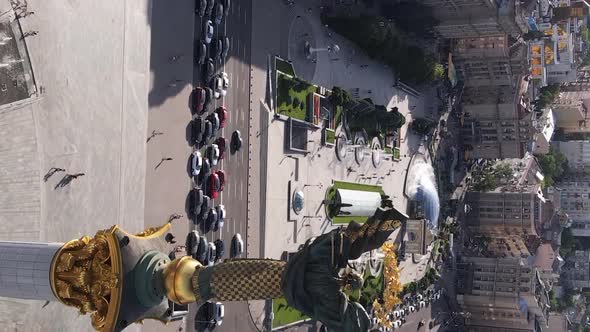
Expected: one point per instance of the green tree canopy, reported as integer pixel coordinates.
(554, 165)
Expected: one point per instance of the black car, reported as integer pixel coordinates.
(205, 208)
(198, 130)
(205, 169)
(217, 48)
(220, 248)
(208, 133)
(202, 53)
(196, 203)
(225, 50)
(208, 99)
(192, 243)
(209, 8)
(209, 70)
(211, 254)
(202, 250)
(200, 7)
(226, 4)
(236, 141)
(218, 13)
(211, 220)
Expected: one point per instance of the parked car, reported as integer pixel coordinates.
(205, 209)
(198, 130)
(220, 209)
(226, 4)
(208, 32)
(200, 96)
(221, 176)
(201, 6)
(219, 245)
(202, 53)
(236, 140)
(217, 49)
(214, 185)
(222, 115)
(208, 100)
(197, 163)
(218, 13)
(211, 221)
(237, 246)
(214, 118)
(215, 314)
(221, 144)
(209, 9)
(209, 71)
(211, 253)
(225, 79)
(205, 170)
(201, 253)
(196, 202)
(208, 132)
(192, 243)
(213, 154)
(217, 86)
(226, 46)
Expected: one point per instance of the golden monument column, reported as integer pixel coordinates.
(120, 278)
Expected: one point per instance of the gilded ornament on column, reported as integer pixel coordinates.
(85, 274)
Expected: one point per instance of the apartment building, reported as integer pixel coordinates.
(577, 153)
(573, 194)
(503, 294)
(576, 271)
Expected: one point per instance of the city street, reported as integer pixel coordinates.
(168, 186)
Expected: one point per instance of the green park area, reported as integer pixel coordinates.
(331, 196)
(292, 96)
(283, 314)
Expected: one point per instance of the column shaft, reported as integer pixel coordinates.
(24, 270)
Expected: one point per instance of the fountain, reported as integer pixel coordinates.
(421, 187)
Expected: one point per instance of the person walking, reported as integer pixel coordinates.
(52, 171)
(77, 175)
(170, 238)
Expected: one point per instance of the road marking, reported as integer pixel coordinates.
(241, 189)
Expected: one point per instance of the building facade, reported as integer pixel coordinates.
(577, 154)
(574, 199)
(576, 271)
(515, 207)
(501, 293)
(498, 121)
(474, 18)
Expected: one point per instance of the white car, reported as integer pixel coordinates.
(422, 304)
(197, 163)
(217, 87)
(396, 314)
(412, 308)
(397, 324)
(213, 155)
(225, 80)
(237, 246)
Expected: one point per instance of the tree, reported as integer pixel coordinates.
(503, 170)
(554, 165)
(339, 96)
(422, 126)
(411, 16)
(547, 96)
(568, 242)
(439, 71)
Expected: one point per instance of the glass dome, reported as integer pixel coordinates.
(298, 201)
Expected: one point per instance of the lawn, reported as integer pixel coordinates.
(284, 66)
(331, 194)
(330, 136)
(283, 314)
(292, 96)
(337, 116)
(357, 186)
(396, 154)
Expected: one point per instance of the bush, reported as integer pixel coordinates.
(296, 103)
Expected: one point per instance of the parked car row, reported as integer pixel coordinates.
(410, 304)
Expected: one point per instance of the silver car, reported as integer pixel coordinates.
(197, 163)
(208, 32)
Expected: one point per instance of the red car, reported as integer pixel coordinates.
(221, 144)
(200, 98)
(215, 185)
(222, 114)
(221, 176)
